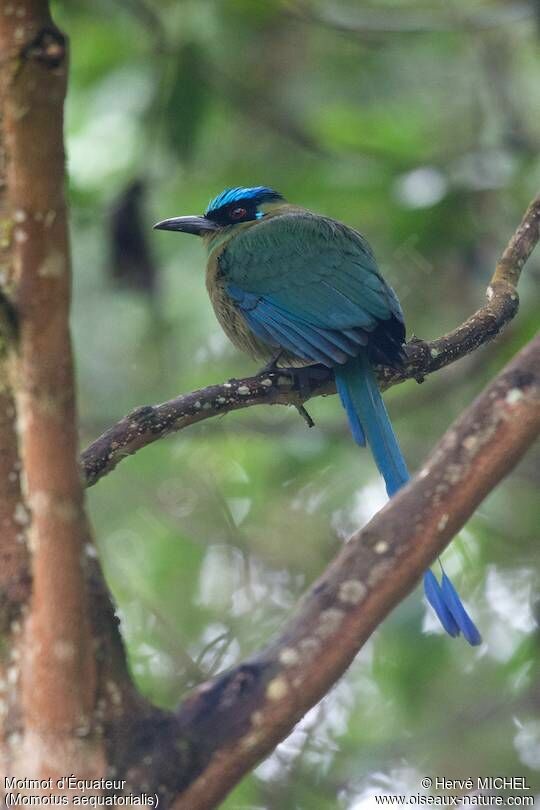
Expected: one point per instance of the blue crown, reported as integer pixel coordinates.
(257, 195)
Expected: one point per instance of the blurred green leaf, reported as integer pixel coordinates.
(188, 99)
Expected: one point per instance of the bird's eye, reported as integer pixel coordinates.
(238, 213)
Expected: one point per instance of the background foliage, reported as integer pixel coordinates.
(415, 125)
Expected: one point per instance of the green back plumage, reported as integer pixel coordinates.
(312, 266)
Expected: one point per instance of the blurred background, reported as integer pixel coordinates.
(416, 123)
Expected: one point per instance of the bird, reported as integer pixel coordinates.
(292, 287)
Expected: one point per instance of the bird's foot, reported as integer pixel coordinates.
(417, 342)
(305, 378)
(272, 366)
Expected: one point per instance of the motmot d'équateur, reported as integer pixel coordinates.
(286, 282)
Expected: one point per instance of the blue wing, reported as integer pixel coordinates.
(309, 285)
(281, 328)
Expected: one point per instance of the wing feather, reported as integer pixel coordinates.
(309, 283)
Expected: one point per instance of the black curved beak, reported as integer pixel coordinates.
(195, 225)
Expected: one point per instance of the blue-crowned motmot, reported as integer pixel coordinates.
(284, 281)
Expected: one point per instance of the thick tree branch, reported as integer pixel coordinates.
(14, 558)
(236, 719)
(13, 552)
(149, 423)
(57, 675)
(68, 704)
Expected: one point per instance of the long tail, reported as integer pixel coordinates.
(368, 420)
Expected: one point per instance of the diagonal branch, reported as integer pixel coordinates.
(147, 424)
(231, 722)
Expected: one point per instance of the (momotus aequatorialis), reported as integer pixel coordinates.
(287, 283)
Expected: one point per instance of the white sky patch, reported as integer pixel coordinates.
(421, 188)
(527, 743)
(221, 575)
(502, 641)
(161, 665)
(510, 596)
(225, 583)
(245, 599)
(368, 501)
(314, 737)
(265, 588)
(226, 651)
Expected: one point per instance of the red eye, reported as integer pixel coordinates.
(238, 213)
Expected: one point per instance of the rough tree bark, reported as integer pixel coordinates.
(72, 705)
(258, 703)
(13, 552)
(67, 697)
(55, 665)
(14, 572)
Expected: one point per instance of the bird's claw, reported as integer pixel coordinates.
(305, 416)
(305, 378)
(272, 366)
